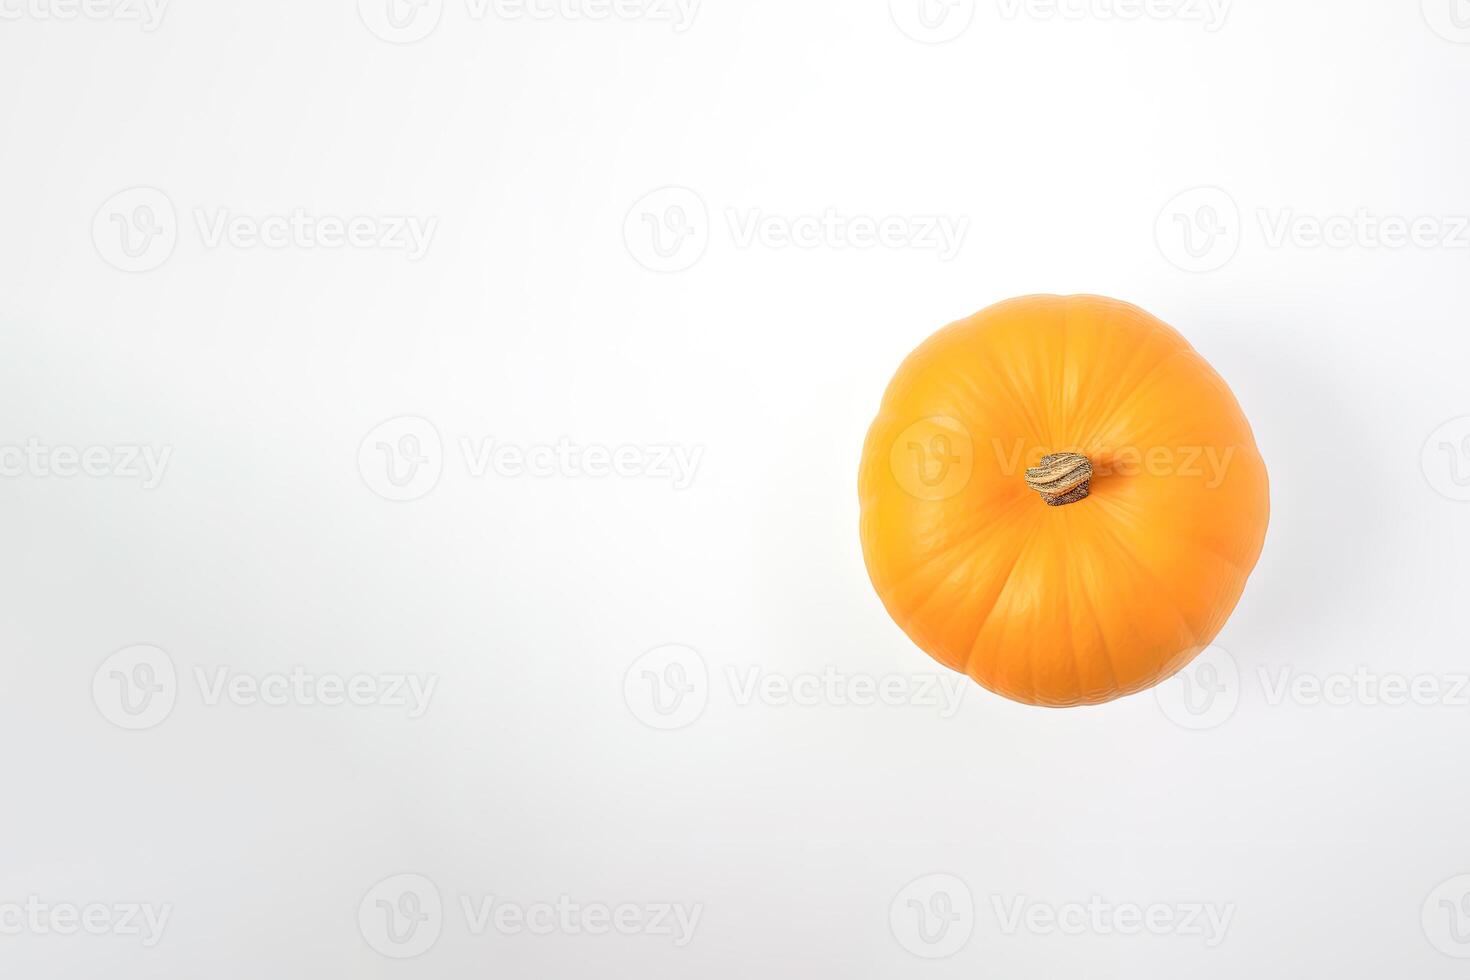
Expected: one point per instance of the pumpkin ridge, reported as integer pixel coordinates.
(1123, 385)
(1000, 594)
(962, 541)
(1005, 378)
(931, 593)
(1020, 406)
(1066, 596)
(925, 365)
(1117, 507)
(1063, 399)
(1101, 635)
(1122, 548)
(988, 403)
(1136, 389)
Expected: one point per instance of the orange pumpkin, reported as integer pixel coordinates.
(1061, 498)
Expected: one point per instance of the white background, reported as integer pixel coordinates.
(1071, 145)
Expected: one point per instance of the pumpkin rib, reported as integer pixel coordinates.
(1005, 584)
(1060, 399)
(1116, 505)
(1066, 594)
(1103, 640)
(1020, 408)
(1158, 583)
(961, 541)
(1082, 694)
(932, 593)
(915, 563)
(1125, 386)
(1208, 548)
(1139, 388)
(921, 366)
(1007, 397)
(1017, 400)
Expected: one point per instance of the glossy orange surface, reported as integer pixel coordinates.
(1079, 603)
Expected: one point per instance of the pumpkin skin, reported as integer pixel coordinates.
(1087, 601)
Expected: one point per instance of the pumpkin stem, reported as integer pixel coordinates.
(1061, 478)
